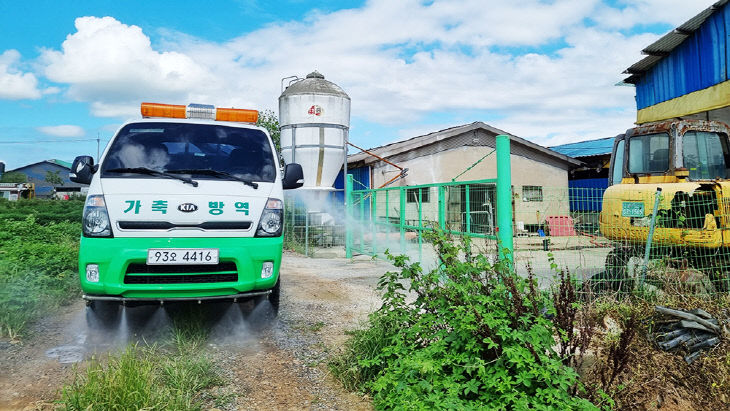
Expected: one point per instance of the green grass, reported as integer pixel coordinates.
(38, 260)
(44, 211)
(141, 378)
(175, 375)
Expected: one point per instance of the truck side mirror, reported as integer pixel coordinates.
(293, 176)
(82, 170)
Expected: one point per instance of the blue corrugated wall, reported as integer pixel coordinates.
(36, 174)
(587, 194)
(701, 61)
(361, 181)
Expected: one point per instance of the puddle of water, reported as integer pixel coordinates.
(67, 354)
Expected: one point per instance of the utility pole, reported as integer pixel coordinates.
(97, 147)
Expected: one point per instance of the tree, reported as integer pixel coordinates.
(13, 177)
(270, 121)
(53, 178)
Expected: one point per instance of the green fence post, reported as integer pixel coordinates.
(348, 216)
(388, 226)
(374, 220)
(468, 210)
(402, 221)
(420, 225)
(504, 197)
(362, 222)
(442, 207)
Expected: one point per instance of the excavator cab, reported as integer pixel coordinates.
(683, 166)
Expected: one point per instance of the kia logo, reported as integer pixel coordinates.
(187, 207)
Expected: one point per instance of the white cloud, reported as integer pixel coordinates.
(632, 12)
(14, 84)
(398, 60)
(113, 65)
(62, 131)
(51, 90)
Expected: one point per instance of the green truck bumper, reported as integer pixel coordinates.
(123, 271)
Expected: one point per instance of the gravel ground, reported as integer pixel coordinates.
(279, 364)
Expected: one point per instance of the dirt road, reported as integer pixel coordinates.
(279, 365)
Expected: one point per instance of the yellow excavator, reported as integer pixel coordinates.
(668, 205)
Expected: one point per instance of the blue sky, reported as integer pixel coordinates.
(71, 72)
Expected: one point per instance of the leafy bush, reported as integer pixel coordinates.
(468, 335)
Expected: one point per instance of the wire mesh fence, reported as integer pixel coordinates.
(395, 218)
(628, 239)
(314, 220)
(607, 240)
(601, 239)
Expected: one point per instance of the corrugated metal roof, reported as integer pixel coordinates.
(598, 147)
(60, 162)
(51, 161)
(665, 45)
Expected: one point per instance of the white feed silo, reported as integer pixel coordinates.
(314, 116)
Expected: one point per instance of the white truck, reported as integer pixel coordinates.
(185, 204)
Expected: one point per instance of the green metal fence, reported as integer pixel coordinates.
(557, 228)
(642, 241)
(395, 218)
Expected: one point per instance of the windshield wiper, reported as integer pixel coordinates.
(214, 173)
(149, 171)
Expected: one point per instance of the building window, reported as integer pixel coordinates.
(412, 195)
(531, 193)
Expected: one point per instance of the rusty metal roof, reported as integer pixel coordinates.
(665, 45)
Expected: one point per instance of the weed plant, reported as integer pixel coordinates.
(467, 335)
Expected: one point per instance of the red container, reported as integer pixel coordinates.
(560, 225)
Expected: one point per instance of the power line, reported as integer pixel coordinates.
(52, 141)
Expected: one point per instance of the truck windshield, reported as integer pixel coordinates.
(193, 148)
(649, 153)
(704, 155)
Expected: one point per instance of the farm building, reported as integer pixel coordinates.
(588, 181)
(685, 73)
(465, 153)
(37, 173)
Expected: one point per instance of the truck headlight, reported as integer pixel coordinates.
(272, 219)
(96, 218)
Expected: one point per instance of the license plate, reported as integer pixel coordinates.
(632, 209)
(161, 256)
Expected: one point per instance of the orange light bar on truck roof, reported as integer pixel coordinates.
(236, 114)
(199, 111)
(163, 110)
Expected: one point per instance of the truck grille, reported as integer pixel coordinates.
(166, 225)
(140, 273)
